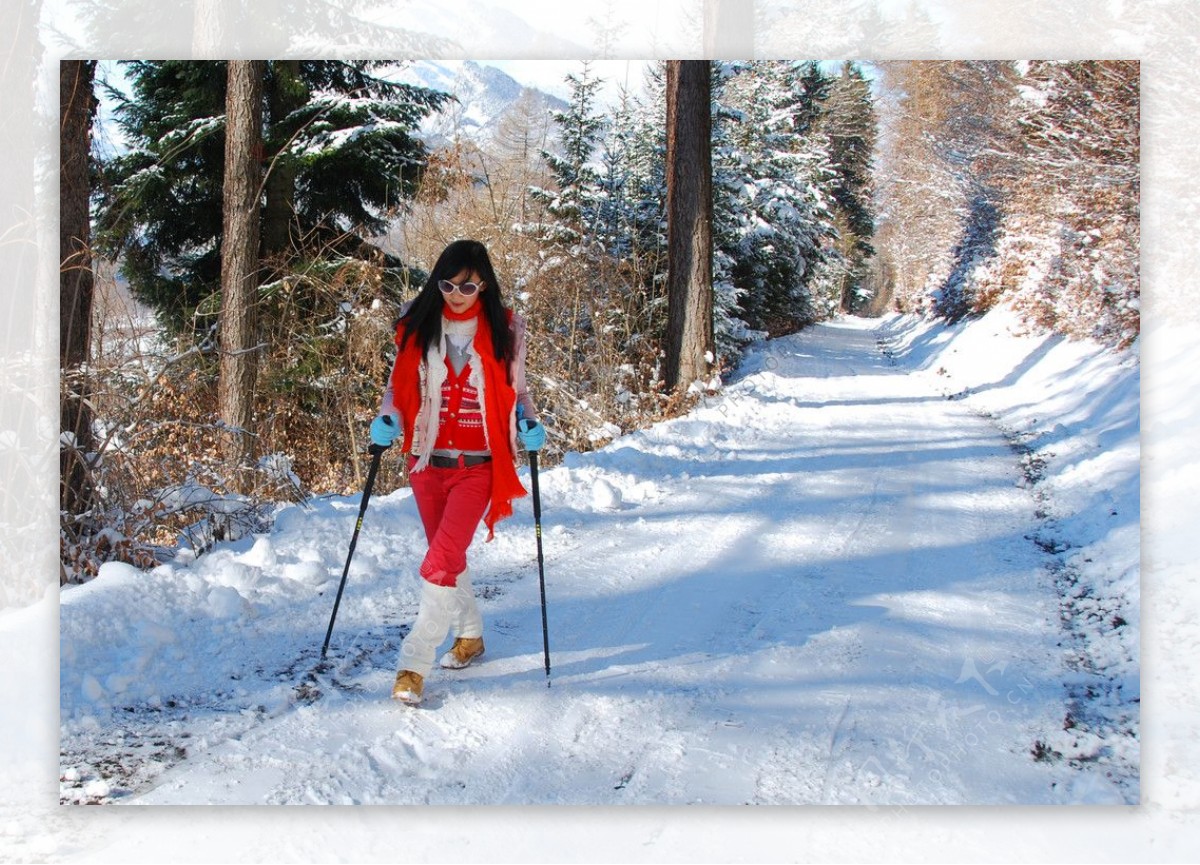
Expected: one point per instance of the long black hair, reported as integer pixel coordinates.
(424, 317)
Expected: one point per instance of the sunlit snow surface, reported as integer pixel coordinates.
(892, 563)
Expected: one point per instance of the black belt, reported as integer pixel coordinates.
(461, 461)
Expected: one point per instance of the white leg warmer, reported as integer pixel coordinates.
(438, 605)
(467, 622)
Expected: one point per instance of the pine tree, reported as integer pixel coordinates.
(340, 150)
(812, 91)
(632, 218)
(632, 182)
(849, 123)
(649, 161)
(730, 328)
(572, 203)
(615, 209)
(571, 224)
(773, 177)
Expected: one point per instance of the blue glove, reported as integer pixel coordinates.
(383, 431)
(531, 433)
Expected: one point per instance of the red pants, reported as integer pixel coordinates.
(451, 503)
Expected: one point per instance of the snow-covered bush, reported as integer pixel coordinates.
(1015, 182)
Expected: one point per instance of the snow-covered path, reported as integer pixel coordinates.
(819, 587)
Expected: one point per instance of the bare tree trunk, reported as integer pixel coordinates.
(239, 256)
(76, 109)
(689, 222)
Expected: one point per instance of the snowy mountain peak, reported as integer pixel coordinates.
(484, 95)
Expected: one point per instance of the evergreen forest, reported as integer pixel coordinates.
(933, 188)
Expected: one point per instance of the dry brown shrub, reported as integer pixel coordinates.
(595, 337)
(595, 328)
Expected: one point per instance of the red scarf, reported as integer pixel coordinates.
(499, 401)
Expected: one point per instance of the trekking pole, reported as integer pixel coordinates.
(537, 524)
(376, 452)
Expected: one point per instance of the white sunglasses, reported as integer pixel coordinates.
(467, 289)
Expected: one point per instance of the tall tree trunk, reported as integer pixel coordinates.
(76, 108)
(689, 222)
(239, 258)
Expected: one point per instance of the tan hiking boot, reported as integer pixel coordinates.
(464, 651)
(408, 687)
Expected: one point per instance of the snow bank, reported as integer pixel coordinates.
(1071, 411)
(827, 583)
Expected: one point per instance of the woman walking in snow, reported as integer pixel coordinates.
(457, 395)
